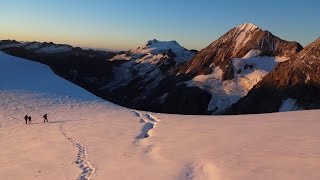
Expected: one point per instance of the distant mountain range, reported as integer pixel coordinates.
(247, 70)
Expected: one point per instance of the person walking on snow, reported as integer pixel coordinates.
(29, 119)
(26, 118)
(45, 118)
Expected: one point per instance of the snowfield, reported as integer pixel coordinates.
(248, 71)
(88, 138)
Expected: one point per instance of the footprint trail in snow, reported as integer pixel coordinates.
(87, 169)
(150, 123)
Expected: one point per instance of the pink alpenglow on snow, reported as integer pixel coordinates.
(87, 138)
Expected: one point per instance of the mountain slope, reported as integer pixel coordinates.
(126, 78)
(236, 43)
(222, 73)
(86, 68)
(20, 74)
(294, 84)
(248, 72)
(140, 70)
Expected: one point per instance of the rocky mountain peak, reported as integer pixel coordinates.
(242, 34)
(236, 43)
(309, 48)
(247, 27)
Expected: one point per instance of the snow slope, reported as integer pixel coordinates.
(87, 138)
(20, 74)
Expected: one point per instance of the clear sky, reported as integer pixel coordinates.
(125, 24)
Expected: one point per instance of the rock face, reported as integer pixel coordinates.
(230, 66)
(294, 84)
(235, 44)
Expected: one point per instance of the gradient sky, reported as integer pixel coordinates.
(125, 24)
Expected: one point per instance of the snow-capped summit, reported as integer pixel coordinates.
(243, 33)
(141, 69)
(156, 47)
(160, 44)
(236, 43)
(230, 66)
(247, 27)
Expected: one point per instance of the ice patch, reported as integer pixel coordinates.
(289, 105)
